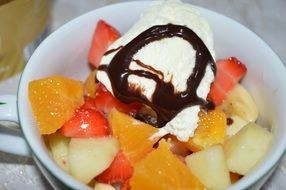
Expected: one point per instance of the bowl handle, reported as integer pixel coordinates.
(11, 137)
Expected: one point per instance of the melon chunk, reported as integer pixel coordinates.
(88, 157)
(209, 166)
(59, 148)
(246, 148)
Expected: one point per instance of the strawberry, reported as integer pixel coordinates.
(89, 103)
(125, 186)
(104, 35)
(229, 72)
(119, 171)
(105, 101)
(86, 123)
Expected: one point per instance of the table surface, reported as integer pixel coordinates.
(266, 18)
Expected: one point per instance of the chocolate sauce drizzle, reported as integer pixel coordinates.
(112, 50)
(165, 101)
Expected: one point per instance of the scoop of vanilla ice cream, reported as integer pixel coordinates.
(174, 57)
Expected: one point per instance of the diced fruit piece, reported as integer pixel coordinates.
(54, 100)
(59, 148)
(229, 72)
(234, 124)
(125, 185)
(216, 94)
(86, 123)
(119, 171)
(246, 148)
(133, 135)
(177, 147)
(89, 103)
(104, 35)
(209, 166)
(90, 85)
(162, 170)
(103, 186)
(239, 102)
(91, 156)
(105, 101)
(211, 130)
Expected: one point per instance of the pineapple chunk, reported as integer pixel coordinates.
(209, 166)
(245, 149)
(90, 156)
(59, 147)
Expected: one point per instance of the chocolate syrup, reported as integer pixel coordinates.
(229, 121)
(112, 50)
(146, 118)
(165, 100)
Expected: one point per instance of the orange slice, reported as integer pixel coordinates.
(90, 85)
(54, 100)
(162, 170)
(211, 130)
(133, 135)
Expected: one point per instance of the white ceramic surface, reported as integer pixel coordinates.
(61, 55)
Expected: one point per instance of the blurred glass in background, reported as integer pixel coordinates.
(23, 25)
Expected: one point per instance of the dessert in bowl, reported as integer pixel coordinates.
(65, 53)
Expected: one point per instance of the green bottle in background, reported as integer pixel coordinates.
(23, 24)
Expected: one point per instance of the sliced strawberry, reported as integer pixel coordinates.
(216, 94)
(103, 37)
(119, 171)
(125, 185)
(229, 72)
(86, 123)
(105, 101)
(89, 103)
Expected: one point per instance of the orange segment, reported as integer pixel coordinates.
(211, 130)
(90, 85)
(177, 147)
(162, 170)
(133, 135)
(54, 100)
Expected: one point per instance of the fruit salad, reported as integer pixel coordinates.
(135, 123)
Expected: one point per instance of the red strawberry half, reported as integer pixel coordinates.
(105, 101)
(125, 186)
(86, 123)
(104, 35)
(119, 171)
(229, 72)
(89, 103)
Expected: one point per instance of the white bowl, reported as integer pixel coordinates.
(65, 51)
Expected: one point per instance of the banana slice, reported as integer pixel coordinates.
(235, 124)
(239, 102)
